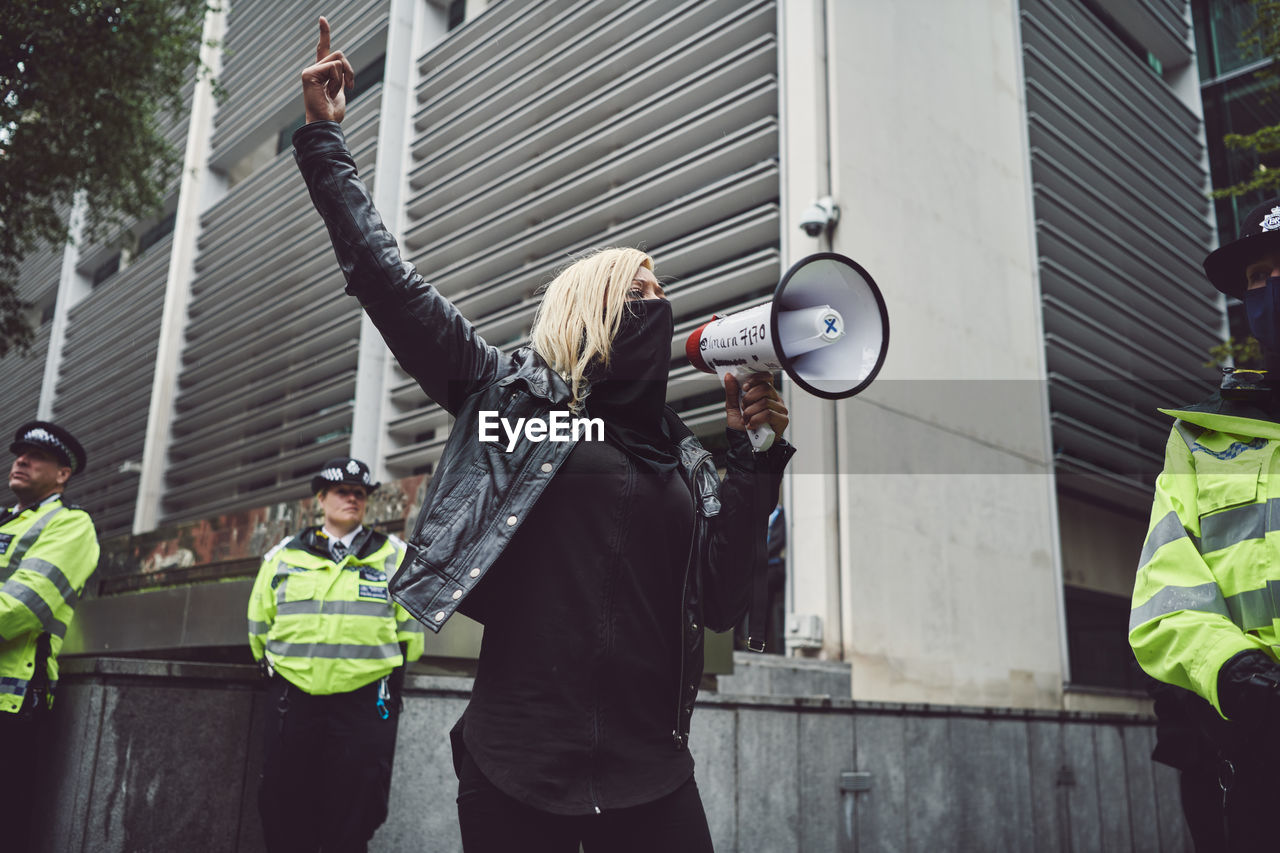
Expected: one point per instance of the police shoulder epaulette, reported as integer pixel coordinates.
(62, 499)
(276, 548)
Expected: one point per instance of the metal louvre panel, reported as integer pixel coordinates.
(1108, 164)
(1122, 224)
(268, 370)
(566, 126)
(1107, 73)
(38, 273)
(174, 128)
(268, 43)
(104, 385)
(22, 375)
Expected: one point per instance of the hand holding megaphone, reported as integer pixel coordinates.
(752, 398)
(827, 327)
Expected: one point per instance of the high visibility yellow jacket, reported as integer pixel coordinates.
(330, 626)
(47, 553)
(1209, 574)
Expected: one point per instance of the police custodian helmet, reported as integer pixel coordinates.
(1259, 234)
(54, 439)
(343, 470)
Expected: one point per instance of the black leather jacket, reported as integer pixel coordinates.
(479, 493)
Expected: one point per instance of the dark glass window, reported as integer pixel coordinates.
(457, 13)
(157, 232)
(1239, 105)
(1219, 26)
(105, 271)
(1098, 640)
(1136, 47)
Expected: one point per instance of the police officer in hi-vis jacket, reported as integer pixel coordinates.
(334, 644)
(48, 550)
(1205, 601)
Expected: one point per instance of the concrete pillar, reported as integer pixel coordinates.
(810, 497)
(199, 188)
(72, 287)
(951, 573)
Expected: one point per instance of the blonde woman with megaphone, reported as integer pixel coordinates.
(594, 559)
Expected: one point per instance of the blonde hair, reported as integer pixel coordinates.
(580, 314)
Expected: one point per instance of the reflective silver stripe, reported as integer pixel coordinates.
(389, 564)
(1238, 524)
(283, 570)
(29, 538)
(325, 608)
(1166, 530)
(409, 626)
(1255, 608)
(256, 628)
(1206, 598)
(332, 650)
(33, 602)
(55, 576)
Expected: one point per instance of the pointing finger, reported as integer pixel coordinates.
(322, 47)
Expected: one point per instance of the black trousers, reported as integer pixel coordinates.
(1251, 823)
(326, 773)
(493, 822)
(24, 748)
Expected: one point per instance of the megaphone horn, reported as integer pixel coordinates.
(827, 327)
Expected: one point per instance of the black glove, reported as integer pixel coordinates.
(1249, 690)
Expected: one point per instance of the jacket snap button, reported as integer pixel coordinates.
(457, 593)
(693, 626)
(511, 521)
(546, 467)
(440, 616)
(475, 573)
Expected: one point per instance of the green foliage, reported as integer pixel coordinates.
(1238, 353)
(83, 87)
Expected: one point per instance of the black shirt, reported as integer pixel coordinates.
(576, 692)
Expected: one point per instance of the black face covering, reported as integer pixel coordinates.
(630, 396)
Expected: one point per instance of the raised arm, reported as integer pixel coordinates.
(433, 342)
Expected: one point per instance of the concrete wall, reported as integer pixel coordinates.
(936, 480)
(153, 756)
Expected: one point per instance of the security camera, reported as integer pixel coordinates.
(820, 216)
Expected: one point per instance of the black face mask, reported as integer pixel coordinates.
(631, 394)
(1262, 307)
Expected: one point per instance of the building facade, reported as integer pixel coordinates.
(1027, 186)
(1025, 180)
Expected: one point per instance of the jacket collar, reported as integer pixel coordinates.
(313, 541)
(538, 377)
(1236, 417)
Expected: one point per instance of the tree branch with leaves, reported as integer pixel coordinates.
(85, 85)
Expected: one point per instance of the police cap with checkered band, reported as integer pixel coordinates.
(343, 470)
(1259, 234)
(52, 438)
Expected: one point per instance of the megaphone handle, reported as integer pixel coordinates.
(761, 438)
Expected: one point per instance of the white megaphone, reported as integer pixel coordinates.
(826, 326)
